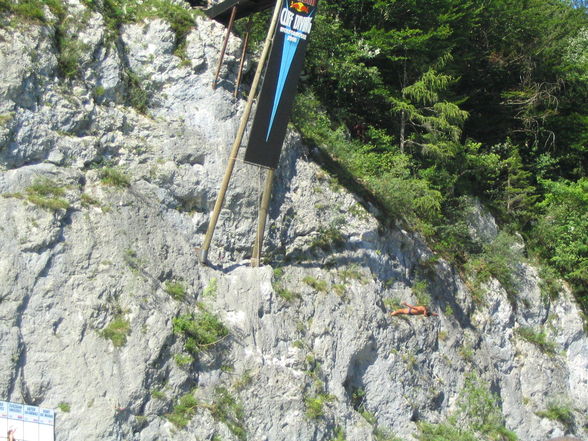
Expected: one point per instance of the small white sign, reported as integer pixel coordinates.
(20, 422)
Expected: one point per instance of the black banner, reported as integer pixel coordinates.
(280, 82)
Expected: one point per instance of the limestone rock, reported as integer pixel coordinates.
(123, 199)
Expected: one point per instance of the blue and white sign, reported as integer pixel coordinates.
(280, 83)
(20, 422)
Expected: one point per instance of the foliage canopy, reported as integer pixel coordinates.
(428, 105)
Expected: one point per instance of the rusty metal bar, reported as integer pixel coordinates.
(243, 52)
(223, 50)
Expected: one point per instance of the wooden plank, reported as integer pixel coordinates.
(221, 12)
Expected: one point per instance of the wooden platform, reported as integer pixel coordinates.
(221, 12)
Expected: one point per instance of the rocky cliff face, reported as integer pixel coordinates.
(102, 210)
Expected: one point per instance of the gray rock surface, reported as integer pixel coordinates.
(309, 326)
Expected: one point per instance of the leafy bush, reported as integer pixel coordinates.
(175, 289)
(420, 291)
(392, 303)
(278, 287)
(538, 338)
(32, 9)
(157, 394)
(117, 331)
(226, 409)
(285, 293)
(137, 91)
(184, 410)
(479, 408)
(561, 234)
(315, 406)
(561, 413)
(339, 434)
(478, 417)
(328, 238)
(550, 283)
(87, 200)
(201, 330)
(384, 434)
(114, 177)
(211, 289)
(183, 359)
(351, 273)
(64, 407)
(443, 432)
(47, 194)
(385, 175)
(70, 50)
(314, 283)
(117, 12)
(499, 259)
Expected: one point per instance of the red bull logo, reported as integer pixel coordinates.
(299, 6)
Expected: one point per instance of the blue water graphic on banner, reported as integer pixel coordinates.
(280, 81)
(288, 52)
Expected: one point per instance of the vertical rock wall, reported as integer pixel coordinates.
(312, 353)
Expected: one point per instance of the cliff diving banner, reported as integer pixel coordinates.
(280, 82)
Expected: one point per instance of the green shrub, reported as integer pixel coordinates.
(561, 233)
(175, 289)
(183, 359)
(420, 291)
(46, 193)
(32, 9)
(114, 177)
(87, 200)
(64, 407)
(328, 238)
(70, 51)
(339, 434)
(184, 410)
(391, 304)
(117, 331)
(226, 409)
(351, 273)
(285, 293)
(98, 92)
(180, 17)
(538, 338)
(201, 330)
(211, 289)
(318, 285)
(479, 409)
(339, 289)
(278, 273)
(383, 434)
(278, 287)
(443, 432)
(158, 395)
(243, 381)
(478, 417)
(467, 352)
(315, 406)
(561, 413)
(368, 416)
(5, 118)
(499, 260)
(117, 12)
(550, 283)
(137, 91)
